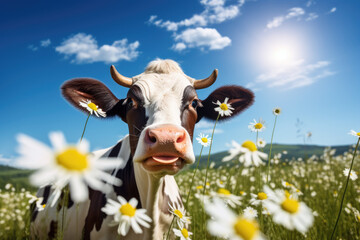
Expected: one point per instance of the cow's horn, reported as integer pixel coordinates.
(207, 82)
(120, 79)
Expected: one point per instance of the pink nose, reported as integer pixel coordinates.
(166, 138)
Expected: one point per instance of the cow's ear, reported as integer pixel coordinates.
(83, 89)
(239, 98)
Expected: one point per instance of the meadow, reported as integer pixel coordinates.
(318, 181)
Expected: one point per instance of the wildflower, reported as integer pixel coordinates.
(276, 111)
(225, 223)
(353, 175)
(257, 126)
(204, 140)
(261, 143)
(220, 183)
(224, 108)
(180, 214)
(184, 234)
(256, 199)
(8, 186)
(248, 154)
(288, 211)
(226, 196)
(250, 213)
(92, 108)
(65, 164)
(356, 134)
(126, 215)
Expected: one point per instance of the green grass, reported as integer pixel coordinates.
(321, 183)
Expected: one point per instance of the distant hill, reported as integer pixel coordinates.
(19, 177)
(293, 152)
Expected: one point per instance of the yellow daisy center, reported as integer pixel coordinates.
(245, 229)
(221, 182)
(258, 126)
(185, 232)
(204, 140)
(207, 184)
(178, 213)
(358, 217)
(224, 106)
(44, 205)
(249, 145)
(290, 205)
(72, 160)
(224, 191)
(242, 192)
(262, 196)
(127, 210)
(199, 187)
(92, 106)
(358, 134)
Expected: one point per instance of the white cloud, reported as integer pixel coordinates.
(84, 49)
(215, 12)
(333, 10)
(294, 75)
(204, 124)
(4, 160)
(311, 16)
(45, 43)
(309, 3)
(292, 13)
(33, 48)
(205, 38)
(210, 130)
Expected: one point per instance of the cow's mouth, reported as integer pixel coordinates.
(163, 163)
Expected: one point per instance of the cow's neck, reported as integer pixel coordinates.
(155, 195)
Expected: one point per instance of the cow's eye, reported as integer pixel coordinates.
(195, 103)
(130, 103)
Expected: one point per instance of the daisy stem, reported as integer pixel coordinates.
(208, 160)
(84, 127)
(272, 137)
(192, 179)
(347, 183)
(168, 233)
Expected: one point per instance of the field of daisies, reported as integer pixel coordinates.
(253, 195)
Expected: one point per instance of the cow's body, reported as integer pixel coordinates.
(161, 110)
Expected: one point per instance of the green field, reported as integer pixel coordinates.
(317, 183)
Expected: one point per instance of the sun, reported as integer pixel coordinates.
(278, 51)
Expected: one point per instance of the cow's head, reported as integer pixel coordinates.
(161, 109)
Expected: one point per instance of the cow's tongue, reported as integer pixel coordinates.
(165, 159)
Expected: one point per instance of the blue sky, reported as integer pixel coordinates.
(302, 56)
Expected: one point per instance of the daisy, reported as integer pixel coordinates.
(224, 223)
(126, 215)
(257, 126)
(288, 211)
(353, 175)
(249, 155)
(184, 234)
(356, 134)
(224, 108)
(250, 213)
(66, 164)
(92, 108)
(204, 140)
(276, 111)
(256, 199)
(179, 214)
(261, 143)
(227, 197)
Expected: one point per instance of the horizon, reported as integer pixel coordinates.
(299, 55)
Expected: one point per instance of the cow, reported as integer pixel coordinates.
(161, 109)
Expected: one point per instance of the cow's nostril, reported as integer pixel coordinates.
(181, 138)
(152, 139)
(151, 136)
